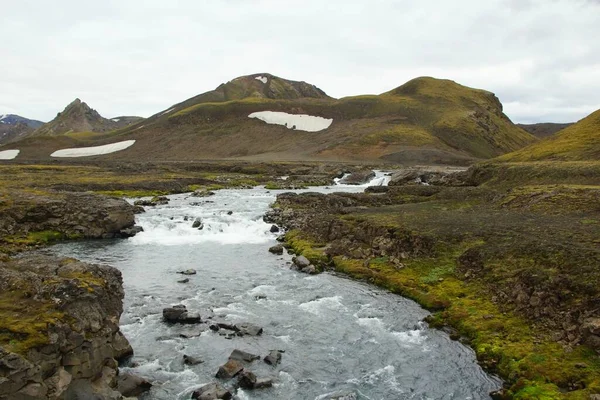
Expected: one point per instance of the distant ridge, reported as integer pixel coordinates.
(544, 129)
(264, 117)
(79, 117)
(14, 127)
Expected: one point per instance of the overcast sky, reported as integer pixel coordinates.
(134, 57)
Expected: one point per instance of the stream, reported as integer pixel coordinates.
(339, 335)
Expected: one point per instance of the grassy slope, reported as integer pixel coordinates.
(578, 142)
(424, 121)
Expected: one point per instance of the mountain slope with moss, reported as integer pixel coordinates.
(426, 120)
(578, 142)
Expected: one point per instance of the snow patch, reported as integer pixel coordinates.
(116, 119)
(263, 79)
(6, 115)
(9, 154)
(93, 151)
(168, 111)
(300, 122)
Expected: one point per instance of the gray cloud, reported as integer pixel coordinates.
(542, 58)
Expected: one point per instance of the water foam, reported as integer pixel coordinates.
(326, 303)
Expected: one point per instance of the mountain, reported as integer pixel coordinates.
(264, 117)
(543, 129)
(79, 117)
(14, 127)
(578, 142)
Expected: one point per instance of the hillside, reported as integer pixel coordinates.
(543, 129)
(13, 127)
(578, 142)
(79, 117)
(264, 117)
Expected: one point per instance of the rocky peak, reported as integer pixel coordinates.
(77, 117)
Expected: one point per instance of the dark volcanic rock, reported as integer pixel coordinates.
(212, 391)
(189, 360)
(203, 193)
(130, 232)
(249, 329)
(247, 380)
(77, 308)
(230, 369)
(240, 355)
(179, 315)
(277, 249)
(274, 229)
(358, 178)
(130, 385)
(273, 358)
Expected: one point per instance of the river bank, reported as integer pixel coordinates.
(512, 271)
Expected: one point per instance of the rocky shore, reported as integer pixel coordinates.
(60, 329)
(59, 325)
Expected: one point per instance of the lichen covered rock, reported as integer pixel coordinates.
(59, 329)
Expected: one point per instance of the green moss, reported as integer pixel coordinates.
(24, 321)
(304, 245)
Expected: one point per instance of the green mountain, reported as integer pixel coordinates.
(578, 142)
(264, 117)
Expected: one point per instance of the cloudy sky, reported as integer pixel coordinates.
(134, 57)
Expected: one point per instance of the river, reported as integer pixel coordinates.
(338, 335)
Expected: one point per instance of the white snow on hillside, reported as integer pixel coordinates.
(263, 79)
(300, 122)
(168, 111)
(93, 151)
(9, 154)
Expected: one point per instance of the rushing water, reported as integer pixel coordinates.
(338, 335)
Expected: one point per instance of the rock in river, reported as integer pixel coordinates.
(240, 355)
(277, 249)
(179, 315)
(212, 391)
(230, 369)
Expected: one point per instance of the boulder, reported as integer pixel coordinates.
(229, 370)
(212, 391)
(274, 229)
(277, 249)
(186, 280)
(248, 329)
(311, 270)
(247, 380)
(179, 315)
(189, 360)
(198, 224)
(273, 358)
(358, 177)
(188, 272)
(130, 232)
(263, 383)
(159, 200)
(240, 355)
(301, 262)
(130, 385)
(203, 193)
